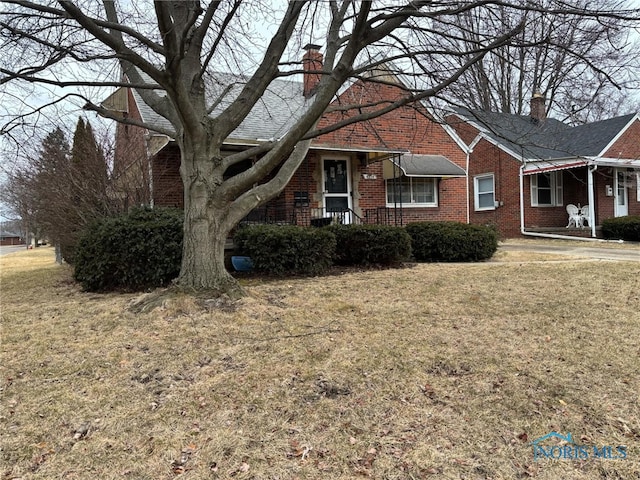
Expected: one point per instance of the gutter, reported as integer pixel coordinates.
(550, 235)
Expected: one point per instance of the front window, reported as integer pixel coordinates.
(546, 189)
(484, 192)
(412, 191)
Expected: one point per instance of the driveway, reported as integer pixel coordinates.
(590, 250)
(7, 249)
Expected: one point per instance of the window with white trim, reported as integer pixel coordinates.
(484, 195)
(546, 189)
(413, 191)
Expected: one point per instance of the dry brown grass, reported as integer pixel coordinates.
(436, 371)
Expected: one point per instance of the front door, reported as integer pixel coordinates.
(337, 188)
(621, 195)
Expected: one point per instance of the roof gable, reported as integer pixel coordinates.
(592, 139)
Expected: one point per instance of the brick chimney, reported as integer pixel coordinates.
(538, 107)
(311, 62)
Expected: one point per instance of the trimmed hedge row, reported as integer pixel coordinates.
(370, 244)
(143, 249)
(622, 228)
(139, 250)
(280, 250)
(283, 249)
(452, 241)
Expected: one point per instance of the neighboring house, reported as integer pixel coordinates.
(524, 171)
(401, 167)
(9, 237)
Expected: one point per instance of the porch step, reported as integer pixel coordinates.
(570, 232)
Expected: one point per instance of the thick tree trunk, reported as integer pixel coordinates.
(203, 266)
(206, 228)
(212, 210)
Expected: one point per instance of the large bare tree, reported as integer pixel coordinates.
(175, 44)
(588, 68)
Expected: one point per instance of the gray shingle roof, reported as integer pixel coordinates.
(549, 138)
(274, 114)
(591, 139)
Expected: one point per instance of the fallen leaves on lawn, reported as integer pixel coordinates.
(179, 466)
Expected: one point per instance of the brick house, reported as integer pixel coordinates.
(526, 171)
(8, 237)
(400, 167)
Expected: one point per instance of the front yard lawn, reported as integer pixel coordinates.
(435, 371)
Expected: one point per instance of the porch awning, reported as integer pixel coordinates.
(543, 166)
(412, 165)
(617, 162)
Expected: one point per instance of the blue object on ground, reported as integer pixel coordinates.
(242, 264)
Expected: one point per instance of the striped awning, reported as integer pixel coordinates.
(543, 166)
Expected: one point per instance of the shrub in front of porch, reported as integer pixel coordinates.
(622, 228)
(286, 249)
(370, 244)
(452, 241)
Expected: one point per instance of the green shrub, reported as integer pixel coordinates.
(139, 250)
(370, 244)
(286, 249)
(452, 241)
(622, 228)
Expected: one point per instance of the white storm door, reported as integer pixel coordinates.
(337, 186)
(621, 195)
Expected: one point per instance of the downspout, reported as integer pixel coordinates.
(467, 185)
(591, 193)
(150, 173)
(521, 183)
(549, 235)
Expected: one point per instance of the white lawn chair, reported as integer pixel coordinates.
(584, 216)
(574, 216)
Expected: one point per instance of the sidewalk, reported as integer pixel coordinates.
(590, 250)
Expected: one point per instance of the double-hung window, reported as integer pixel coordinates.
(546, 189)
(484, 192)
(414, 191)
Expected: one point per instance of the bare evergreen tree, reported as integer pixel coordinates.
(61, 190)
(167, 48)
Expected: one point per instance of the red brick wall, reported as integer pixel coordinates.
(466, 131)
(7, 241)
(167, 184)
(628, 145)
(487, 158)
(634, 204)
(537, 217)
(130, 164)
(605, 206)
(408, 128)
